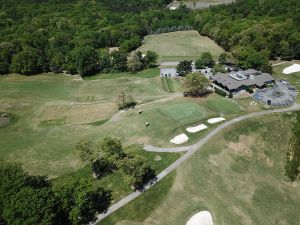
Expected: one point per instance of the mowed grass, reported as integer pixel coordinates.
(171, 85)
(223, 105)
(184, 113)
(181, 45)
(56, 111)
(238, 176)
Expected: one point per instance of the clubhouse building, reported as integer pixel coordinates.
(236, 81)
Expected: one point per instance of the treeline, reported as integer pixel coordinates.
(28, 200)
(41, 36)
(254, 30)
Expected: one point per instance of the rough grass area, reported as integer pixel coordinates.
(181, 45)
(293, 78)
(238, 176)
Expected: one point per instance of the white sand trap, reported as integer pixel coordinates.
(201, 218)
(292, 69)
(196, 129)
(179, 139)
(215, 120)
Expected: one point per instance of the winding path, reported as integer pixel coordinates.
(190, 151)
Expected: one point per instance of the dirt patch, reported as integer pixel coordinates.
(4, 121)
(243, 147)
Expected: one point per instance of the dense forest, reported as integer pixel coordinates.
(254, 30)
(74, 35)
(40, 36)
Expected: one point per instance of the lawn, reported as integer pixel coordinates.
(184, 113)
(223, 105)
(181, 45)
(55, 112)
(238, 176)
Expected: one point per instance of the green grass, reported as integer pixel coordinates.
(148, 73)
(142, 207)
(56, 111)
(171, 85)
(184, 113)
(238, 177)
(181, 45)
(223, 105)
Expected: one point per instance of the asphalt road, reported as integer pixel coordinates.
(190, 151)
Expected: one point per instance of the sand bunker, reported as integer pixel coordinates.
(215, 120)
(196, 129)
(292, 69)
(179, 139)
(201, 218)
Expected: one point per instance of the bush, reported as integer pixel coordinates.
(220, 92)
(230, 95)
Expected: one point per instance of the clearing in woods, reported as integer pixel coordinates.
(180, 45)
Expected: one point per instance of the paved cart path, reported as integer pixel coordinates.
(190, 150)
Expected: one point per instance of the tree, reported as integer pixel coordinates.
(199, 64)
(26, 62)
(135, 61)
(223, 58)
(137, 172)
(124, 100)
(150, 59)
(104, 61)
(207, 59)
(32, 206)
(184, 67)
(86, 150)
(112, 150)
(82, 60)
(27, 199)
(118, 61)
(101, 167)
(130, 44)
(195, 84)
(81, 201)
(219, 68)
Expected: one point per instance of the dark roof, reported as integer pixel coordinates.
(227, 81)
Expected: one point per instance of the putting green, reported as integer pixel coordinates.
(222, 105)
(185, 112)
